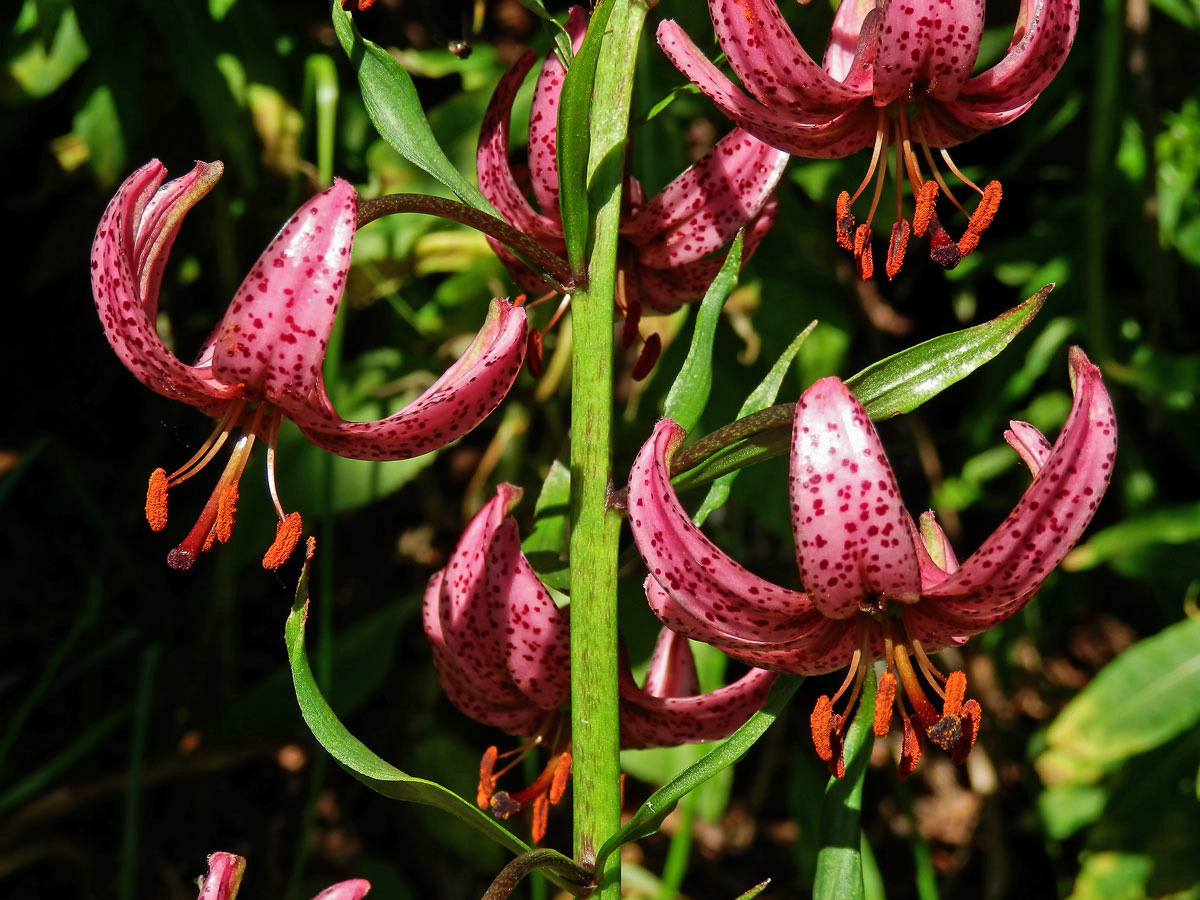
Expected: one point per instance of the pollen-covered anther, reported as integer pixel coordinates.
(971, 717)
(885, 696)
(845, 222)
(156, 500)
(981, 218)
(896, 247)
(910, 750)
(956, 692)
(541, 818)
(862, 252)
(562, 775)
(821, 721)
(226, 513)
(648, 357)
(926, 205)
(287, 535)
(837, 762)
(487, 782)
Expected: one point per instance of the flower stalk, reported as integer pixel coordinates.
(594, 697)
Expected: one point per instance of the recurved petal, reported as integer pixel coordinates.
(1031, 445)
(710, 585)
(850, 48)
(354, 889)
(132, 243)
(704, 207)
(650, 721)
(1042, 38)
(272, 340)
(543, 118)
(770, 62)
(496, 179)
(225, 871)
(822, 136)
(672, 671)
(1012, 563)
(929, 45)
(463, 397)
(853, 541)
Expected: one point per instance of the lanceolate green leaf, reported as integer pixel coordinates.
(562, 40)
(650, 814)
(1143, 698)
(574, 143)
(839, 861)
(354, 756)
(905, 380)
(689, 394)
(395, 109)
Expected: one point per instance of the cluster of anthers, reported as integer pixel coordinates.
(954, 729)
(895, 129)
(215, 523)
(544, 791)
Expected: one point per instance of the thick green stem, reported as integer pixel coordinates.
(596, 763)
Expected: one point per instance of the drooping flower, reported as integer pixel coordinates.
(501, 648)
(896, 75)
(876, 586)
(665, 254)
(262, 362)
(224, 880)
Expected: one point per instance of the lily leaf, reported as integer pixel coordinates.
(905, 380)
(574, 137)
(839, 862)
(354, 756)
(562, 40)
(395, 109)
(689, 394)
(760, 398)
(1139, 701)
(658, 806)
(545, 546)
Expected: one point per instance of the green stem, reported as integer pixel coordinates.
(596, 762)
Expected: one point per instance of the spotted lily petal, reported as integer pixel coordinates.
(853, 542)
(672, 671)
(930, 43)
(224, 879)
(458, 401)
(543, 118)
(705, 207)
(1031, 445)
(851, 52)
(272, 339)
(129, 252)
(1009, 567)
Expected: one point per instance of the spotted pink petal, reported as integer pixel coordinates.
(272, 339)
(705, 582)
(129, 252)
(496, 179)
(827, 136)
(650, 721)
(672, 671)
(929, 44)
(853, 542)
(1043, 36)
(354, 889)
(1031, 445)
(1006, 571)
(770, 62)
(704, 207)
(936, 544)
(454, 404)
(850, 54)
(543, 119)
(224, 878)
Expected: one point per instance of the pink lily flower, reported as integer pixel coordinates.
(875, 587)
(501, 648)
(262, 362)
(224, 879)
(665, 257)
(895, 75)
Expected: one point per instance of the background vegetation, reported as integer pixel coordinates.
(148, 717)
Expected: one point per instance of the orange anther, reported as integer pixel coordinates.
(487, 783)
(541, 816)
(533, 354)
(209, 540)
(981, 218)
(519, 300)
(310, 549)
(287, 535)
(926, 205)
(910, 751)
(821, 721)
(971, 715)
(156, 500)
(956, 690)
(562, 774)
(648, 357)
(226, 512)
(896, 247)
(837, 761)
(845, 222)
(862, 252)
(885, 696)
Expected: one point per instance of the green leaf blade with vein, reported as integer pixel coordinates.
(395, 109)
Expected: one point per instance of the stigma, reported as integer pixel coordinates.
(896, 130)
(543, 792)
(953, 729)
(216, 520)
